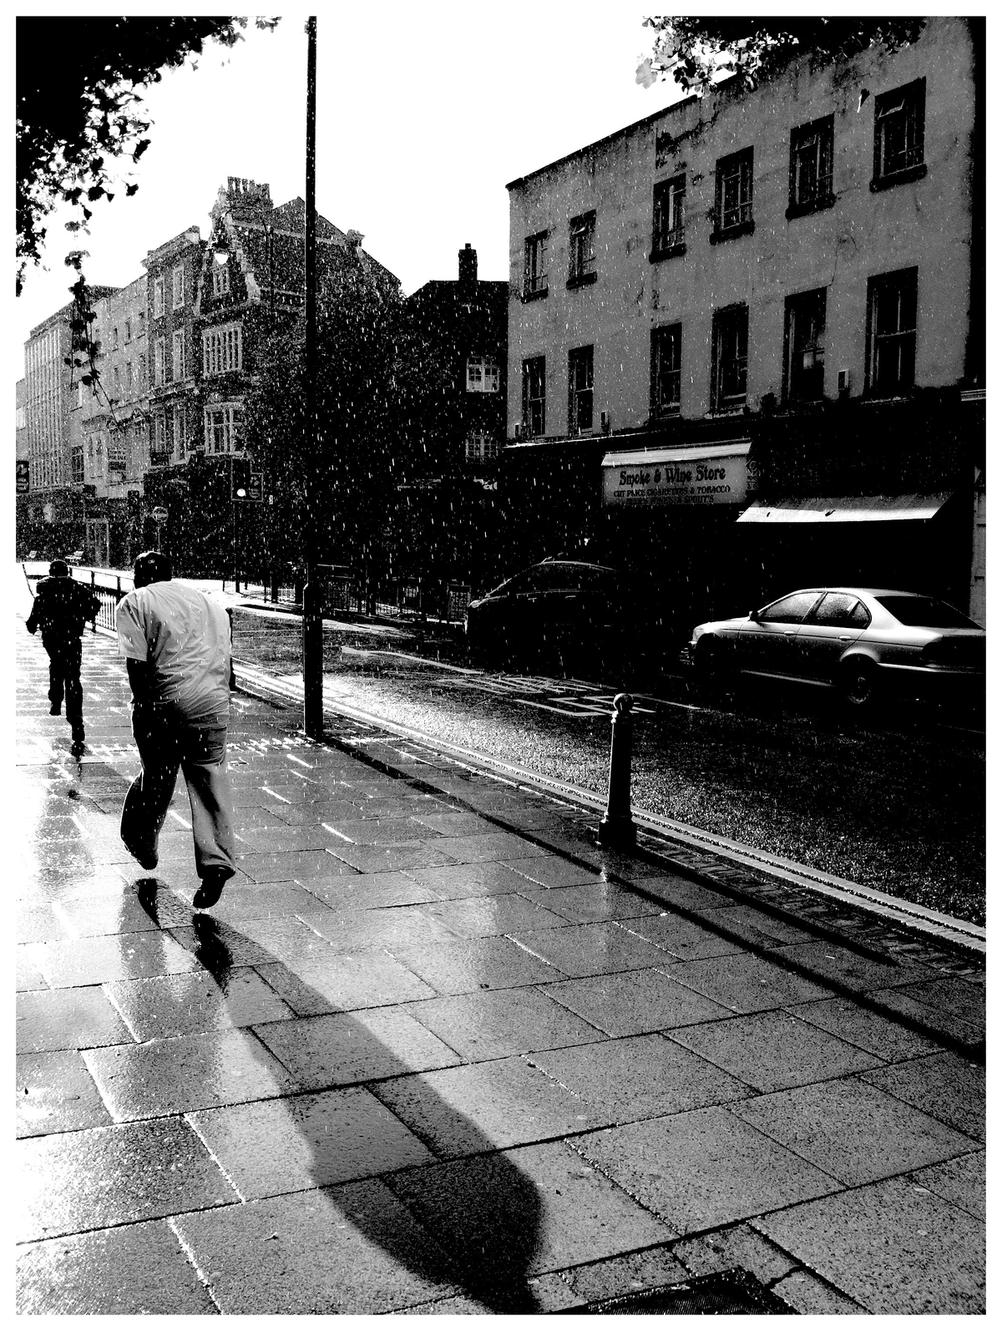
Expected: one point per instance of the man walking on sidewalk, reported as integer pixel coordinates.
(60, 609)
(176, 643)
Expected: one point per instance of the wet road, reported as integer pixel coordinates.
(896, 803)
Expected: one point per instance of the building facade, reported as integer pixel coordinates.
(51, 514)
(214, 307)
(109, 429)
(454, 349)
(745, 336)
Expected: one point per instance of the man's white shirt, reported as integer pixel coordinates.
(185, 637)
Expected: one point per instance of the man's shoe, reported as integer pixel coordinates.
(213, 882)
(78, 748)
(55, 709)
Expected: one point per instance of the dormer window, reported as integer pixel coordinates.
(220, 279)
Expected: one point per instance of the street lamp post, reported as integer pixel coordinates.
(313, 644)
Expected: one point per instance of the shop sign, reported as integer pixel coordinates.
(677, 477)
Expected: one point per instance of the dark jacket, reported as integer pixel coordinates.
(61, 607)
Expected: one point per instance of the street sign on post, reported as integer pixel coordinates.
(22, 476)
(255, 487)
(159, 515)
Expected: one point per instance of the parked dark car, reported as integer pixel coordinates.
(556, 611)
(859, 640)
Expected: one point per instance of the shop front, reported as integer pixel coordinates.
(668, 518)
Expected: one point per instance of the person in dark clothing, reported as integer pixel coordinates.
(60, 610)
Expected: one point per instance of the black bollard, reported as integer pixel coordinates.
(616, 827)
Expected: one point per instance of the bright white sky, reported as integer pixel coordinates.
(425, 110)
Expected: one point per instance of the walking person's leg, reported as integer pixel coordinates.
(72, 661)
(52, 650)
(203, 762)
(149, 796)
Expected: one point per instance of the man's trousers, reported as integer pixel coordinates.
(166, 742)
(65, 658)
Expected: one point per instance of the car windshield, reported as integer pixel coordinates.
(925, 612)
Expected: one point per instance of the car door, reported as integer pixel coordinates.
(830, 629)
(765, 645)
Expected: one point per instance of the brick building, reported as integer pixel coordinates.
(454, 345)
(746, 339)
(214, 305)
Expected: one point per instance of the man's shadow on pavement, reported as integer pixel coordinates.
(488, 1247)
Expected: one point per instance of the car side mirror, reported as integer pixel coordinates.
(753, 616)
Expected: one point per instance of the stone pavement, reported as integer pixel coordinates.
(436, 1052)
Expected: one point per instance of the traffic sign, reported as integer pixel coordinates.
(255, 486)
(160, 515)
(22, 476)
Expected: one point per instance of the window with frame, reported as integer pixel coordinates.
(177, 353)
(159, 448)
(220, 279)
(222, 349)
(483, 376)
(178, 432)
(811, 152)
(582, 250)
(668, 236)
(77, 464)
(114, 339)
(116, 460)
(128, 376)
(891, 332)
(733, 214)
(534, 396)
(730, 358)
(580, 389)
(481, 447)
(159, 361)
(899, 135)
(177, 287)
(128, 330)
(224, 428)
(804, 379)
(666, 370)
(117, 380)
(158, 297)
(535, 265)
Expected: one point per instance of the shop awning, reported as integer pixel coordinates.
(847, 508)
(736, 448)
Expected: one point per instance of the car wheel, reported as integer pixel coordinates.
(857, 683)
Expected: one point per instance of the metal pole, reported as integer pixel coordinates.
(313, 643)
(616, 827)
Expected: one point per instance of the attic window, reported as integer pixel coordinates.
(220, 279)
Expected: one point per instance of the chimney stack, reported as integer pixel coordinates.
(467, 267)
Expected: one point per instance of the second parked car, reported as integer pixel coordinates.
(860, 640)
(556, 610)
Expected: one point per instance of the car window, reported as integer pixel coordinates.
(789, 609)
(925, 611)
(586, 578)
(521, 582)
(572, 577)
(840, 610)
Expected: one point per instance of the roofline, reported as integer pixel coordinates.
(618, 133)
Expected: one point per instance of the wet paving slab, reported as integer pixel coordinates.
(437, 1052)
